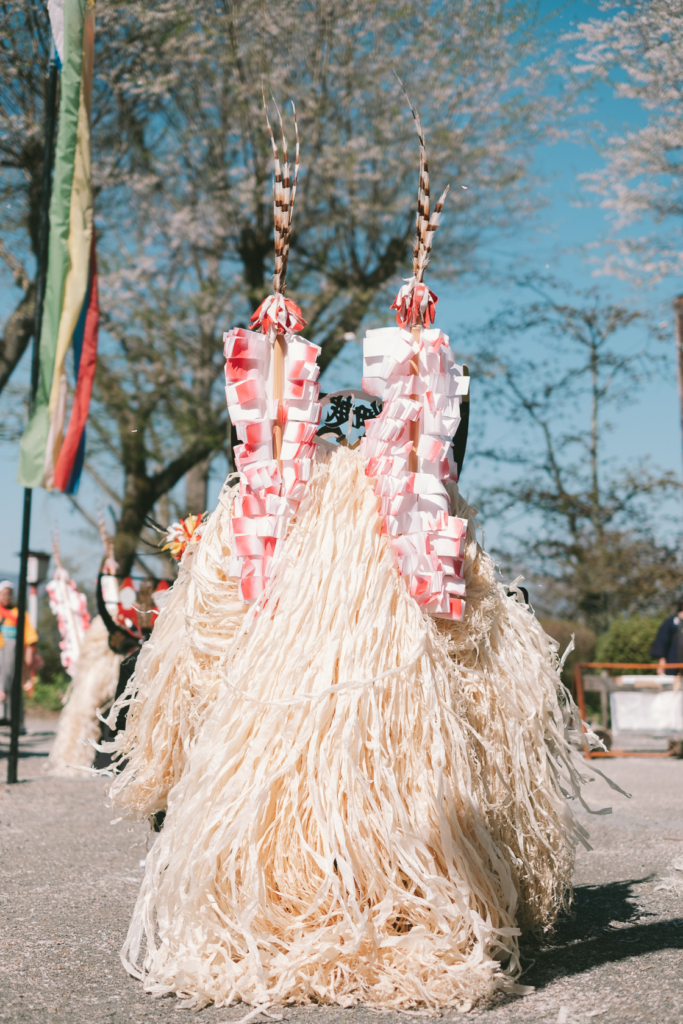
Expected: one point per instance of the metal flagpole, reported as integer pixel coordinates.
(41, 271)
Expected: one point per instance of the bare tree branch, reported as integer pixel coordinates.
(16, 335)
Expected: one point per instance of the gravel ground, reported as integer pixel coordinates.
(68, 881)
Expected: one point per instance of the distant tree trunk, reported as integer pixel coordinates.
(196, 487)
(138, 502)
(142, 491)
(17, 334)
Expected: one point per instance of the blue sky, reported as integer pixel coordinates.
(648, 425)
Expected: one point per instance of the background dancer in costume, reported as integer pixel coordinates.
(93, 668)
(94, 684)
(132, 626)
(92, 664)
(70, 608)
(333, 837)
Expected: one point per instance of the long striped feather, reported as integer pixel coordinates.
(434, 220)
(291, 194)
(425, 225)
(284, 194)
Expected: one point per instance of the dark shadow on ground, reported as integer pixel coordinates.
(4, 753)
(604, 926)
(26, 744)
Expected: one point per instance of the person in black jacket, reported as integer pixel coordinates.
(668, 645)
(128, 642)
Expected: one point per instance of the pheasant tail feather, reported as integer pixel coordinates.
(284, 193)
(426, 225)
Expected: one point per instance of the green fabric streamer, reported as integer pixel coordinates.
(34, 441)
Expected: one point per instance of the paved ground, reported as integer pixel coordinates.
(68, 881)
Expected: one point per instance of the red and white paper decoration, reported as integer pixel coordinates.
(110, 585)
(278, 315)
(415, 303)
(269, 492)
(70, 608)
(428, 542)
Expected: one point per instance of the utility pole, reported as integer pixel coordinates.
(41, 272)
(678, 312)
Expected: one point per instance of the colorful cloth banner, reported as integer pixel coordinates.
(71, 312)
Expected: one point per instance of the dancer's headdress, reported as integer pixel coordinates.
(110, 563)
(412, 368)
(273, 404)
(182, 535)
(415, 302)
(276, 313)
(70, 608)
(109, 573)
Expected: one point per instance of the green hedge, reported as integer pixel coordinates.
(628, 640)
(48, 696)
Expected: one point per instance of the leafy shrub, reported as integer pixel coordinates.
(48, 695)
(628, 640)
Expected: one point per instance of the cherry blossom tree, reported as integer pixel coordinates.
(182, 168)
(637, 49)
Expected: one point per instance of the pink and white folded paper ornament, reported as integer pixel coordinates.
(70, 608)
(270, 487)
(270, 385)
(414, 505)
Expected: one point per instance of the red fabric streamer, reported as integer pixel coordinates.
(86, 376)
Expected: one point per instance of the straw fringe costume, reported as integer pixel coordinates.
(374, 800)
(339, 833)
(94, 684)
(178, 671)
(93, 668)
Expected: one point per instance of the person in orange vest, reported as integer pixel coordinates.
(9, 614)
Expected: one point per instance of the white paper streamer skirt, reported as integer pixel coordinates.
(93, 686)
(177, 673)
(368, 798)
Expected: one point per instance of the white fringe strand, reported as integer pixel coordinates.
(178, 671)
(372, 803)
(94, 685)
